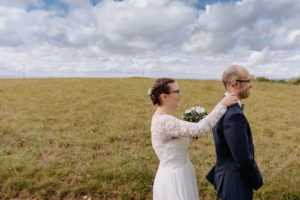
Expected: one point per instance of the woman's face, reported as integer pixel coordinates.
(174, 96)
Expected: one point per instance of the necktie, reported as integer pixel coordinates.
(242, 106)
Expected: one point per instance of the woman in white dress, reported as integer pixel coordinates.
(175, 178)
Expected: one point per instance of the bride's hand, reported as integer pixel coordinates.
(229, 100)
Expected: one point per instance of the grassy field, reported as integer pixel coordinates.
(90, 138)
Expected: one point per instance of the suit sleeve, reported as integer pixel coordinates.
(235, 133)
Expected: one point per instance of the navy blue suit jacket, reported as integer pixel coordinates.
(235, 173)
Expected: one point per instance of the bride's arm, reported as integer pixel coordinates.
(174, 127)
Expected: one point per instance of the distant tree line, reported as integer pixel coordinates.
(295, 81)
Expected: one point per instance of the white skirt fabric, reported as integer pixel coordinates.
(176, 183)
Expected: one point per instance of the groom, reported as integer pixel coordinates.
(235, 174)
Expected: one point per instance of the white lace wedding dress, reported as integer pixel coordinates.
(175, 178)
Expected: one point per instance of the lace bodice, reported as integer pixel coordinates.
(171, 136)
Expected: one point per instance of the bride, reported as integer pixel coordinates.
(175, 178)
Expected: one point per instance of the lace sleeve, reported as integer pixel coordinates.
(171, 126)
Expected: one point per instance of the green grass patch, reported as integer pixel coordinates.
(90, 138)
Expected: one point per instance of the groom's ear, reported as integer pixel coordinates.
(235, 84)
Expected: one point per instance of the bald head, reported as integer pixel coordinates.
(233, 73)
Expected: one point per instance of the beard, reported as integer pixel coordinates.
(244, 94)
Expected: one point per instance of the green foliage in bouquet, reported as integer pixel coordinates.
(195, 114)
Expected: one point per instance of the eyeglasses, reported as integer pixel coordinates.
(176, 91)
(247, 81)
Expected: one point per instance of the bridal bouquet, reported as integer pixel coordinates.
(195, 114)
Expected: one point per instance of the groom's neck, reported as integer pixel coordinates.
(230, 92)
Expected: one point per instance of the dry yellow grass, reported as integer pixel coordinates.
(90, 138)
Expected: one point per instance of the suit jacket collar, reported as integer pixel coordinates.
(239, 102)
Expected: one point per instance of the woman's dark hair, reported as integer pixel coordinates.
(159, 87)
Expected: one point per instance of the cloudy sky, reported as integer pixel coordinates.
(152, 38)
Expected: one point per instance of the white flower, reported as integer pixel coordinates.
(149, 91)
(194, 114)
(187, 111)
(200, 110)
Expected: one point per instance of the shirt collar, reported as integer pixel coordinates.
(239, 102)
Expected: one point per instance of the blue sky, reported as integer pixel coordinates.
(199, 3)
(51, 4)
(173, 38)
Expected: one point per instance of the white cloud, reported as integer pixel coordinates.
(294, 58)
(152, 37)
(294, 37)
(259, 57)
(20, 3)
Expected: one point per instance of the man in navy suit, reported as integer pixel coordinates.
(235, 173)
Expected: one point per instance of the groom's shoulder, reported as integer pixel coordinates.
(234, 109)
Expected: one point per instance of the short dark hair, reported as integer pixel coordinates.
(159, 87)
